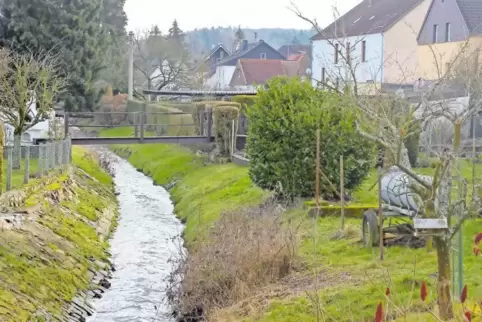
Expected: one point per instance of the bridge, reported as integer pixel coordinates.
(151, 125)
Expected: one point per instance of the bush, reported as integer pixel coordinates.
(169, 124)
(247, 249)
(282, 140)
(202, 107)
(245, 101)
(223, 117)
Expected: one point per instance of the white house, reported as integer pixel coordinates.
(377, 39)
(221, 79)
(38, 131)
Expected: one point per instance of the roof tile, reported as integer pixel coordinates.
(259, 71)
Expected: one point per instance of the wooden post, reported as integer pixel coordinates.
(27, 164)
(342, 193)
(136, 127)
(201, 122)
(209, 124)
(317, 175)
(9, 167)
(380, 211)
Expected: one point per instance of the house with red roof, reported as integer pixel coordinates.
(250, 73)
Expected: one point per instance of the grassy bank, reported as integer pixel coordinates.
(351, 280)
(63, 221)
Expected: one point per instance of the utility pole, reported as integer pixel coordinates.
(131, 67)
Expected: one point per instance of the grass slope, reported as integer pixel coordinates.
(43, 264)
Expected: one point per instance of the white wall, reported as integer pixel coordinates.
(371, 69)
(222, 78)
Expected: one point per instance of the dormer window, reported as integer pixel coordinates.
(263, 56)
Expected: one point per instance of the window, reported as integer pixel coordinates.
(323, 75)
(348, 50)
(336, 53)
(363, 51)
(263, 56)
(435, 34)
(447, 31)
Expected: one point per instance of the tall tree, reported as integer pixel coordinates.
(238, 38)
(78, 32)
(175, 32)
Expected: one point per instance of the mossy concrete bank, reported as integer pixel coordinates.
(53, 244)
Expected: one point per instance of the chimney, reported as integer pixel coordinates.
(245, 45)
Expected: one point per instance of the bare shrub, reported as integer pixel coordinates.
(247, 249)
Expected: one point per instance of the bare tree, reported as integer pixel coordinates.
(30, 86)
(159, 61)
(388, 119)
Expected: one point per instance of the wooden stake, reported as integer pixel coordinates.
(380, 211)
(342, 193)
(317, 175)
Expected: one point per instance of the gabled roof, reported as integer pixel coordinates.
(215, 49)
(240, 53)
(259, 71)
(472, 13)
(368, 17)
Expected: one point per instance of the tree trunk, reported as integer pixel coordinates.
(444, 297)
(17, 150)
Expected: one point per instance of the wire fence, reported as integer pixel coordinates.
(20, 165)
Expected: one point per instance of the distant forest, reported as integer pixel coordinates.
(201, 41)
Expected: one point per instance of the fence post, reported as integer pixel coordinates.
(61, 155)
(48, 154)
(136, 127)
(27, 164)
(69, 143)
(209, 125)
(201, 122)
(9, 168)
(40, 161)
(142, 115)
(66, 124)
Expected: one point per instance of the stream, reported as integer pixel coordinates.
(147, 236)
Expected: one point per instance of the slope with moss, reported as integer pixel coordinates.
(54, 232)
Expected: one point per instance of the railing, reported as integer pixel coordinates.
(34, 161)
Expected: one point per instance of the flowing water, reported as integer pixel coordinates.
(147, 236)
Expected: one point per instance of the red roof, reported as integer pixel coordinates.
(259, 71)
(295, 57)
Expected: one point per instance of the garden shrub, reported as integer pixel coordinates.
(282, 140)
(245, 101)
(202, 107)
(223, 117)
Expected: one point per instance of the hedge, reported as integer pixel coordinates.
(223, 117)
(203, 105)
(245, 101)
(282, 140)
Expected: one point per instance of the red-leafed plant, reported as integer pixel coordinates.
(379, 313)
(423, 291)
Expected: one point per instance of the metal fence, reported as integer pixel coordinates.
(34, 161)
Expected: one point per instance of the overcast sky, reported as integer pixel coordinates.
(247, 13)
